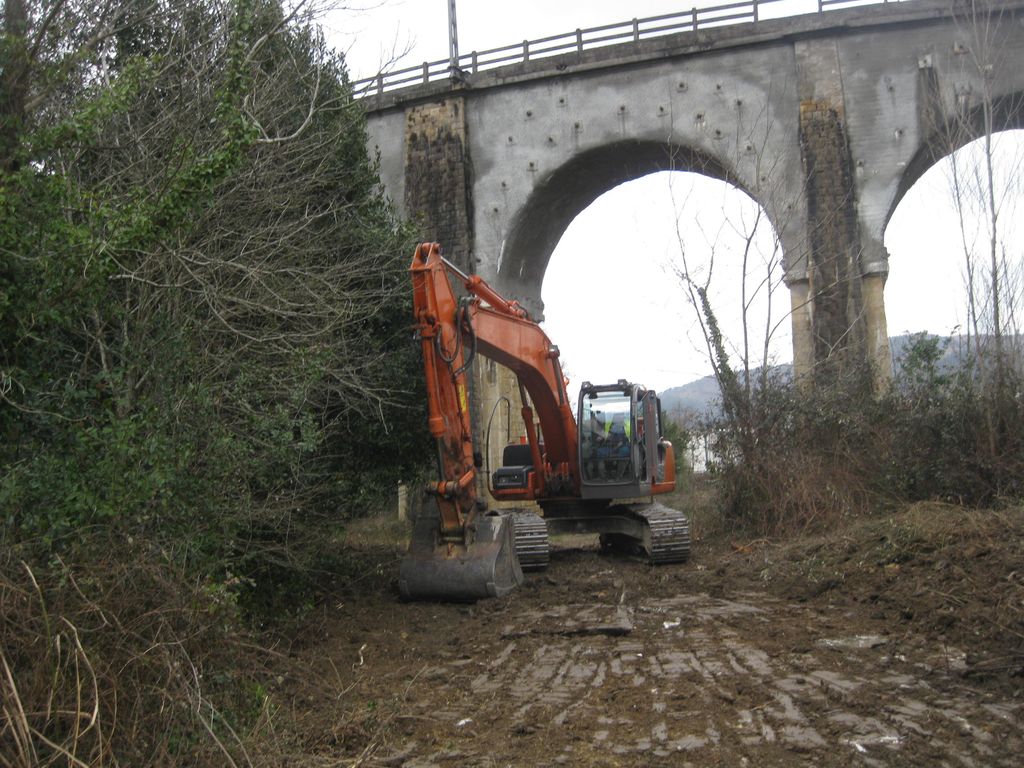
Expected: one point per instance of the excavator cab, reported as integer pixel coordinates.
(622, 453)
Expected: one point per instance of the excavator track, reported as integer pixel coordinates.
(530, 535)
(669, 534)
(661, 535)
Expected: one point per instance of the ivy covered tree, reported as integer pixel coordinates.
(204, 363)
(202, 294)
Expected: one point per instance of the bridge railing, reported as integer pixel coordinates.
(578, 41)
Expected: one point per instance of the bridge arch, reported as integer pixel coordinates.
(1003, 113)
(561, 196)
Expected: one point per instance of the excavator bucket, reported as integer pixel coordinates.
(485, 566)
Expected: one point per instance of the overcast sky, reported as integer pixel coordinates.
(371, 31)
(628, 240)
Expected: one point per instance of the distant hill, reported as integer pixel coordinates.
(702, 396)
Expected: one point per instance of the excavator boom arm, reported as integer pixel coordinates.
(451, 332)
(437, 314)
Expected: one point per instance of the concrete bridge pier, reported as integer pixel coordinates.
(436, 180)
(843, 330)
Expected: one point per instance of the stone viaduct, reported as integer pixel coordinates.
(824, 119)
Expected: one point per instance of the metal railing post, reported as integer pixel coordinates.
(579, 40)
(474, 62)
(755, 10)
(426, 72)
(693, 13)
(526, 51)
(453, 40)
(636, 31)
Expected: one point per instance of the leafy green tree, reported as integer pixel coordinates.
(202, 293)
(204, 362)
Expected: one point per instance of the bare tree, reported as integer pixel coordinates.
(738, 263)
(984, 176)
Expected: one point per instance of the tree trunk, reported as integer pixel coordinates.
(13, 80)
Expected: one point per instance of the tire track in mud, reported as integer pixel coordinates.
(694, 679)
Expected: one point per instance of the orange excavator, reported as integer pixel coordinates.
(595, 472)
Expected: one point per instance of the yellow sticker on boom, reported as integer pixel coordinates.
(463, 405)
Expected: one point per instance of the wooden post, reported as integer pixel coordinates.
(403, 501)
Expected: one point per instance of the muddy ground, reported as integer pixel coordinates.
(892, 641)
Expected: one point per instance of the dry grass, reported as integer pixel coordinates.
(381, 531)
(121, 661)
